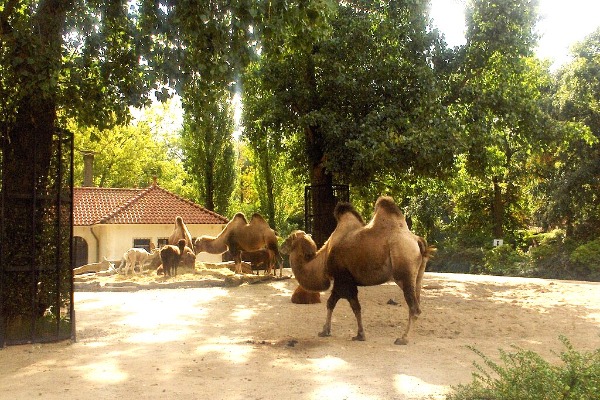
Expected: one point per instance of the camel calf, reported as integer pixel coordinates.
(132, 257)
(170, 256)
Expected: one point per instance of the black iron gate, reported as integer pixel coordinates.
(36, 280)
(319, 203)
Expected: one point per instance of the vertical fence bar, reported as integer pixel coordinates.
(340, 193)
(40, 270)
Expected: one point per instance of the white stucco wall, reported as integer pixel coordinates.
(112, 240)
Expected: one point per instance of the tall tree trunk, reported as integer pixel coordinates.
(27, 150)
(497, 210)
(209, 200)
(270, 189)
(323, 200)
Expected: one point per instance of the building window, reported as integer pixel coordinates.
(142, 244)
(162, 242)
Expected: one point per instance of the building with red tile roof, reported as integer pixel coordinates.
(109, 221)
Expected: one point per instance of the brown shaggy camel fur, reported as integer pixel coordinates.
(362, 255)
(303, 296)
(170, 256)
(180, 232)
(240, 235)
(259, 259)
(188, 260)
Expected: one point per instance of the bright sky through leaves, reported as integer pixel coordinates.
(563, 23)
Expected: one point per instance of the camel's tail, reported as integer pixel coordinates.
(427, 253)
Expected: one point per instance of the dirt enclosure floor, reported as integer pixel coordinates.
(248, 341)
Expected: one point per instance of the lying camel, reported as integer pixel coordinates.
(303, 296)
(362, 255)
(240, 235)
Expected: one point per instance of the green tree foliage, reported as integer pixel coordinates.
(208, 151)
(499, 95)
(68, 56)
(361, 97)
(251, 188)
(129, 156)
(278, 181)
(198, 49)
(573, 187)
(356, 92)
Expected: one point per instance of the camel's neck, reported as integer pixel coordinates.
(215, 245)
(311, 274)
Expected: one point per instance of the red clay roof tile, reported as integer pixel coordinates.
(153, 205)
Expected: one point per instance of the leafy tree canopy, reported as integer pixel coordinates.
(363, 95)
(575, 175)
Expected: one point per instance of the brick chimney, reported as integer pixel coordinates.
(88, 168)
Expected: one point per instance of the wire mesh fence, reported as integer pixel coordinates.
(36, 281)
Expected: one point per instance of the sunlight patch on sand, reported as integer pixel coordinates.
(341, 391)
(242, 314)
(159, 336)
(103, 372)
(227, 350)
(413, 386)
(328, 363)
(593, 317)
(282, 287)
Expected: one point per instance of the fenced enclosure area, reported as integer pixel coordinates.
(321, 224)
(36, 282)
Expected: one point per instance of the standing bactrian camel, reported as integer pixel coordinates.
(180, 232)
(362, 255)
(240, 235)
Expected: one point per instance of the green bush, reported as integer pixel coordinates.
(456, 260)
(525, 375)
(587, 257)
(550, 255)
(504, 260)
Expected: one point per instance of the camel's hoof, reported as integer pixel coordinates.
(324, 334)
(359, 338)
(403, 341)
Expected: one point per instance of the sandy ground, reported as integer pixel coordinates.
(250, 342)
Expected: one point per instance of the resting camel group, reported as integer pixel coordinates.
(166, 259)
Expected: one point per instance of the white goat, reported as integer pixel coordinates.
(132, 257)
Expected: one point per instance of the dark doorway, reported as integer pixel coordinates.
(80, 251)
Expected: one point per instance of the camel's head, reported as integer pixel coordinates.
(200, 244)
(188, 258)
(299, 241)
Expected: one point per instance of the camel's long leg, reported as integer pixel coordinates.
(271, 261)
(404, 338)
(331, 302)
(410, 295)
(356, 308)
(237, 259)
